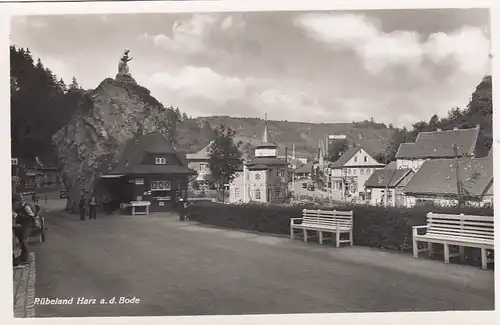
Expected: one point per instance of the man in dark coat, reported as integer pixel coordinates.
(92, 207)
(82, 207)
(23, 222)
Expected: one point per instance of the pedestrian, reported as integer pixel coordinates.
(34, 198)
(92, 207)
(23, 223)
(15, 261)
(82, 207)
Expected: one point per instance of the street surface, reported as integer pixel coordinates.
(181, 268)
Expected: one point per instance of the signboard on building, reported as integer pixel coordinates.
(337, 137)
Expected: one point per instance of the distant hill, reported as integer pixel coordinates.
(194, 134)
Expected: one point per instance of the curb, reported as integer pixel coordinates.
(24, 290)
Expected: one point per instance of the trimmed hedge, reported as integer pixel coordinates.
(380, 227)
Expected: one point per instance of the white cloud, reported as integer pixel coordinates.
(233, 23)
(188, 36)
(467, 47)
(201, 82)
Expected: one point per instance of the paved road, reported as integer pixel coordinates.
(179, 268)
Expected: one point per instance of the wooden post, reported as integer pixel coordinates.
(415, 243)
(446, 253)
(484, 259)
(337, 237)
(305, 235)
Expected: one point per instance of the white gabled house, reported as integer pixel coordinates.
(347, 176)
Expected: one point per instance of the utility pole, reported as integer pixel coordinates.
(385, 176)
(457, 172)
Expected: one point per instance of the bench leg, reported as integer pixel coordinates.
(320, 237)
(291, 233)
(351, 239)
(337, 238)
(484, 259)
(446, 253)
(133, 210)
(429, 248)
(415, 248)
(461, 250)
(305, 235)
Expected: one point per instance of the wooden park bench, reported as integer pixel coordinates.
(456, 230)
(324, 221)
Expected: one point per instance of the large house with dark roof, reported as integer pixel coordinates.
(149, 170)
(347, 175)
(436, 181)
(437, 145)
(262, 179)
(385, 187)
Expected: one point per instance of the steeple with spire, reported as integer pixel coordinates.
(267, 148)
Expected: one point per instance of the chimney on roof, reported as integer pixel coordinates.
(438, 129)
(455, 128)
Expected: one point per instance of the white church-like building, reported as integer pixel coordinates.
(263, 179)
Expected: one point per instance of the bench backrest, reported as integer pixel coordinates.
(327, 218)
(480, 227)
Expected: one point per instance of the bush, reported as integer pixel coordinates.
(380, 227)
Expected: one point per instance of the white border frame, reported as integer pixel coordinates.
(6, 10)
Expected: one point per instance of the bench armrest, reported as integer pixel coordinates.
(292, 220)
(416, 228)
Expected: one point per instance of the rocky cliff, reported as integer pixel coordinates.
(105, 119)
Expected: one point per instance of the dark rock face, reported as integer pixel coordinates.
(107, 117)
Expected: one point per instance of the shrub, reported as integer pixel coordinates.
(381, 227)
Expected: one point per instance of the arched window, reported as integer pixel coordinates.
(361, 171)
(237, 192)
(257, 194)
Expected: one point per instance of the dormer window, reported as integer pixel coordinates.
(160, 161)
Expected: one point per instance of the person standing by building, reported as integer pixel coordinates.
(92, 207)
(82, 207)
(24, 220)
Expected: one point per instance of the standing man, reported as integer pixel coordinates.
(81, 207)
(24, 220)
(92, 206)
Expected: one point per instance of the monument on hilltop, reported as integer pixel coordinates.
(123, 70)
(106, 118)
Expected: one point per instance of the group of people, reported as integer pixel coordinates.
(89, 207)
(23, 216)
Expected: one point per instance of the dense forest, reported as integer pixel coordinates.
(42, 103)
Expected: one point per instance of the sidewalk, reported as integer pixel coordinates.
(24, 290)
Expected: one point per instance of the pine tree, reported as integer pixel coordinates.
(74, 85)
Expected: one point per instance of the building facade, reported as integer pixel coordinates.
(347, 176)
(385, 187)
(149, 170)
(436, 182)
(437, 145)
(199, 162)
(264, 178)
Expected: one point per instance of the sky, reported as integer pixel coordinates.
(397, 66)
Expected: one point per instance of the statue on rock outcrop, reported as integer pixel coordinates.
(123, 64)
(123, 71)
(106, 118)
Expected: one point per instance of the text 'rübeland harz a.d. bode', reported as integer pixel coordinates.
(87, 301)
(279, 162)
